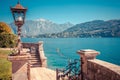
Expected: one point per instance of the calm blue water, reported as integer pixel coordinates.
(108, 47)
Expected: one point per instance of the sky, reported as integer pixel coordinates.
(61, 11)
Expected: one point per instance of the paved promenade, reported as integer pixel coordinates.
(40, 73)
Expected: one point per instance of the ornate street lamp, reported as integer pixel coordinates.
(19, 13)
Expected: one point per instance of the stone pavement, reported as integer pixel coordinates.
(40, 73)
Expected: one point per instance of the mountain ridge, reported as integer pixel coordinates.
(95, 28)
(41, 26)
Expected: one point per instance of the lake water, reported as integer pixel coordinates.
(53, 47)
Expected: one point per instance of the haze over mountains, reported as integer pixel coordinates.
(41, 26)
(47, 29)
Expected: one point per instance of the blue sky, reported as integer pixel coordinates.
(61, 11)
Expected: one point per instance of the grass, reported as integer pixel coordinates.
(5, 65)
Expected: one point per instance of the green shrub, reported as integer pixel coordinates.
(7, 38)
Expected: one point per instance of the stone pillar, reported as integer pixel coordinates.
(86, 55)
(20, 65)
(42, 55)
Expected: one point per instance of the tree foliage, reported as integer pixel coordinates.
(7, 38)
(4, 28)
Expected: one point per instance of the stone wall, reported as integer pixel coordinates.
(101, 70)
(38, 49)
(20, 67)
(29, 45)
(21, 63)
(42, 55)
(94, 69)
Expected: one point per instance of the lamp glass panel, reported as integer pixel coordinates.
(19, 16)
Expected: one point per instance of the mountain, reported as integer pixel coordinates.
(96, 28)
(41, 26)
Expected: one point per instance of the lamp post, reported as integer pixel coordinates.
(18, 13)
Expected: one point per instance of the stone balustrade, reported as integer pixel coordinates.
(94, 69)
(20, 67)
(91, 68)
(39, 49)
(21, 63)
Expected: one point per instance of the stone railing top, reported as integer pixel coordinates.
(87, 50)
(19, 57)
(33, 42)
(84, 51)
(40, 42)
(88, 53)
(110, 66)
(28, 44)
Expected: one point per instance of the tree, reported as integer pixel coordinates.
(4, 28)
(7, 38)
